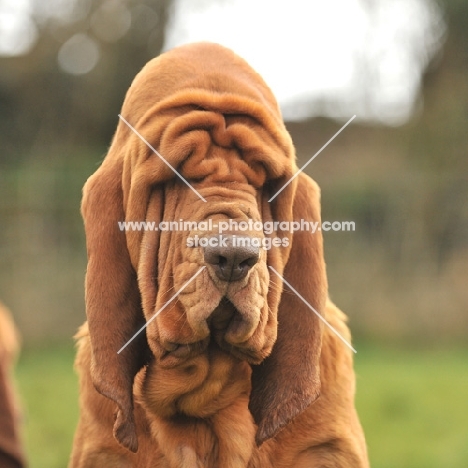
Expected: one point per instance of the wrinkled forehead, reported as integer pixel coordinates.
(228, 155)
(218, 144)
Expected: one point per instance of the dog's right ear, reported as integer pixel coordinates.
(113, 303)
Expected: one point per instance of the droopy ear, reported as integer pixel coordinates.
(288, 381)
(113, 304)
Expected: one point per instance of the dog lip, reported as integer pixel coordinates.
(222, 315)
(200, 327)
(229, 324)
(239, 331)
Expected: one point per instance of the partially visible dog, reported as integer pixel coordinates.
(11, 453)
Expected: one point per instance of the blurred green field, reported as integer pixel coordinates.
(413, 404)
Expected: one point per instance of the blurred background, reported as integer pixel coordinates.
(399, 171)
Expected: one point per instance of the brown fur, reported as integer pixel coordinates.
(227, 375)
(11, 454)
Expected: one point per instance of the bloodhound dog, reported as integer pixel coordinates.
(11, 453)
(202, 348)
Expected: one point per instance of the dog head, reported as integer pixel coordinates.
(198, 154)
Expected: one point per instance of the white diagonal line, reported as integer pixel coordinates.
(157, 154)
(314, 311)
(160, 310)
(312, 158)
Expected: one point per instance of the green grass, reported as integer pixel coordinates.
(48, 390)
(413, 405)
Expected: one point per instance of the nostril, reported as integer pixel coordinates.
(213, 257)
(249, 262)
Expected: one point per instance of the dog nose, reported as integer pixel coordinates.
(231, 256)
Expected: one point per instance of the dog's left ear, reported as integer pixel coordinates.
(288, 380)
